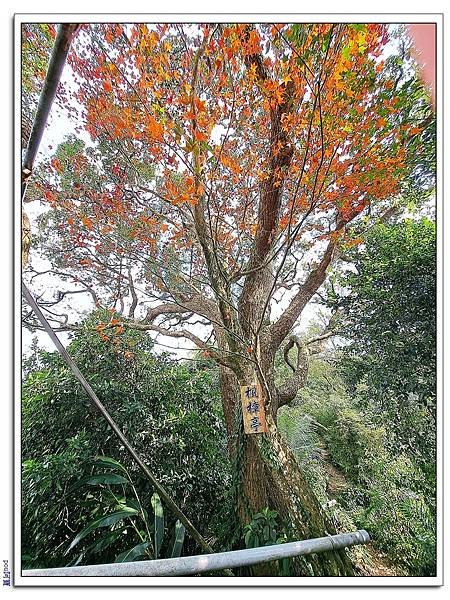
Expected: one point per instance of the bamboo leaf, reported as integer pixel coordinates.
(159, 522)
(132, 553)
(179, 539)
(106, 461)
(248, 537)
(105, 541)
(104, 521)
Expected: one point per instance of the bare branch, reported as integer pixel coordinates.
(280, 329)
(181, 333)
(134, 302)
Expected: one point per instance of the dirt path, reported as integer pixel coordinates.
(369, 561)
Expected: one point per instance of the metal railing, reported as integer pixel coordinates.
(193, 565)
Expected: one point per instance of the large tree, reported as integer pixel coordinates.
(226, 166)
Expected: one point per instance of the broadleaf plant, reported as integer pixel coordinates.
(128, 513)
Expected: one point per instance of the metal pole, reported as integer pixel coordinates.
(192, 565)
(57, 61)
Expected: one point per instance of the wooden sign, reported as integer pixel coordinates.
(253, 409)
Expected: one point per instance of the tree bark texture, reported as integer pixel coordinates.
(268, 475)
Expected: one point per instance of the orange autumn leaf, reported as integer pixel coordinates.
(87, 222)
(154, 128)
(354, 242)
(200, 136)
(56, 164)
(200, 105)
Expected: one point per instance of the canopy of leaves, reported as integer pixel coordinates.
(390, 308)
(192, 125)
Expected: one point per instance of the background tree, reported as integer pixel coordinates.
(364, 480)
(228, 163)
(389, 311)
(364, 425)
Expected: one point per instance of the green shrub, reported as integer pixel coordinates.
(382, 487)
(169, 411)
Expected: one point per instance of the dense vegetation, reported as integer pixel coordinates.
(169, 411)
(364, 425)
(362, 428)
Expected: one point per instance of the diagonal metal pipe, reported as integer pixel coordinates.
(193, 565)
(60, 50)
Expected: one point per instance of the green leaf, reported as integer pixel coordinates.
(159, 522)
(106, 540)
(357, 26)
(106, 478)
(346, 52)
(132, 553)
(76, 560)
(106, 461)
(104, 521)
(179, 539)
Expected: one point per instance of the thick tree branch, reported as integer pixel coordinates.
(216, 270)
(280, 329)
(134, 297)
(164, 309)
(279, 158)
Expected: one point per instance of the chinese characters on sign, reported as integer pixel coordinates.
(253, 409)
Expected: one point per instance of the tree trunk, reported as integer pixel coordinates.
(268, 475)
